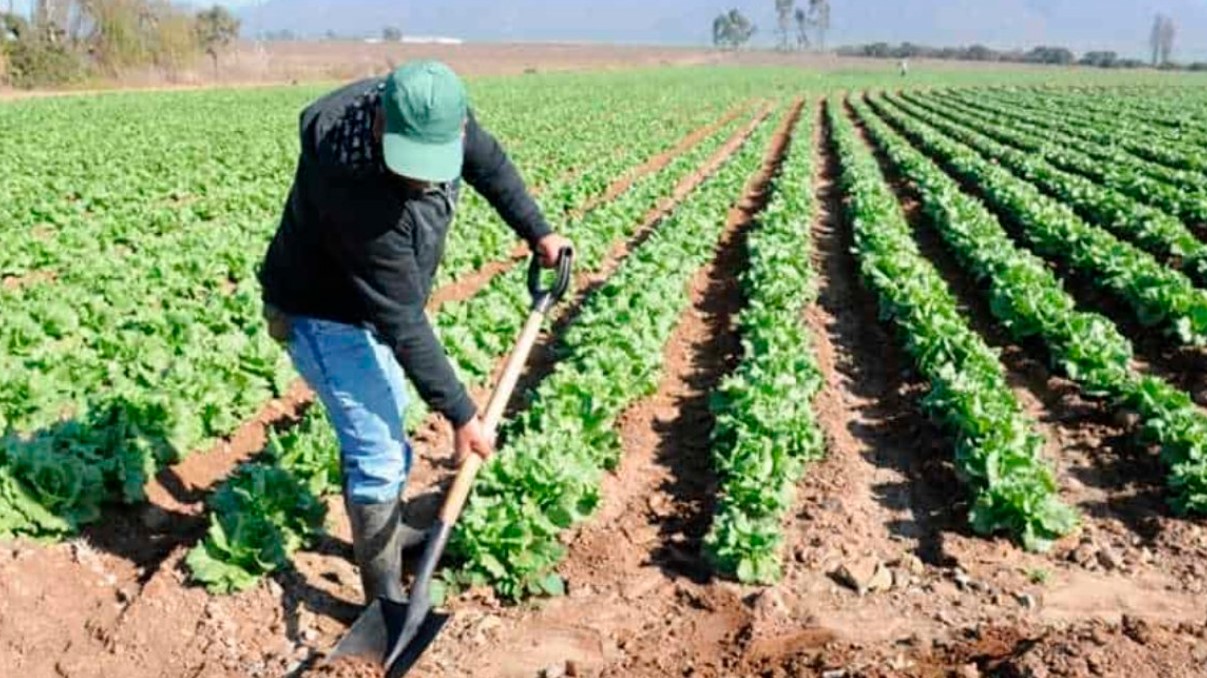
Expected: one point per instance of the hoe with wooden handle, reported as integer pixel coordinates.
(398, 632)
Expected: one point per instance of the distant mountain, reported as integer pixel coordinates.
(1120, 25)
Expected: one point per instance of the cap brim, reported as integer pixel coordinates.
(422, 161)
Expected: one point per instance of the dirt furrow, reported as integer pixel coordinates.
(586, 282)
(1066, 420)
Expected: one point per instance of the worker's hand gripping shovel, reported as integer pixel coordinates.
(399, 632)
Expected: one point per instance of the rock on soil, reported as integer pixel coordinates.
(865, 575)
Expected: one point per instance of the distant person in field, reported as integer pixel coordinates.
(904, 67)
(350, 269)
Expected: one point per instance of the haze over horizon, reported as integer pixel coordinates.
(1081, 25)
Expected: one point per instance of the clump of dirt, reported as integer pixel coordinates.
(16, 282)
(347, 667)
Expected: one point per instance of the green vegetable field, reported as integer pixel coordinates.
(858, 375)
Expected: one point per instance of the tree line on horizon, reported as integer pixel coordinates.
(62, 41)
(1059, 56)
(732, 30)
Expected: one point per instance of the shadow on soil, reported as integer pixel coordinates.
(684, 442)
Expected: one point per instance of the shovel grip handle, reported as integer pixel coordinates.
(544, 299)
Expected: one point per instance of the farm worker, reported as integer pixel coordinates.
(904, 67)
(349, 271)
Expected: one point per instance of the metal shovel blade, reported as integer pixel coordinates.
(408, 634)
(369, 637)
(427, 633)
(366, 638)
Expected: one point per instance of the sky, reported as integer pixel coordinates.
(1120, 25)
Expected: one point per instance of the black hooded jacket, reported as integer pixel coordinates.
(354, 246)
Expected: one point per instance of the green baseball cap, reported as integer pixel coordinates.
(425, 104)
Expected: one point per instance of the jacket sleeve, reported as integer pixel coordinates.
(386, 274)
(488, 169)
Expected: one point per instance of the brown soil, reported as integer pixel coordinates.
(16, 282)
(543, 358)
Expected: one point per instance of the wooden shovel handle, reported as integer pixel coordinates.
(454, 501)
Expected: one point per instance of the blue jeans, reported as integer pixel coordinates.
(361, 384)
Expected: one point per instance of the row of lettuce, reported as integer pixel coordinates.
(1156, 231)
(1143, 131)
(766, 431)
(1100, 157)
(1158, 295)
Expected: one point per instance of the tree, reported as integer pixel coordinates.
(216, 29)
(1168, 32)
(783, 11)
(981, 53)
(1049, 55)
(802, 28)
(1161, 38)
(819, 16)
(732, 29)
(1154, 37)
(35, 55)
(391, 34)
(720, 30)
(1100, 59)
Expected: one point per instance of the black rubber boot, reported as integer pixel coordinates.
(412, 539)
(377, 544)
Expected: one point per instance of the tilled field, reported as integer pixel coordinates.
(872, 564)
